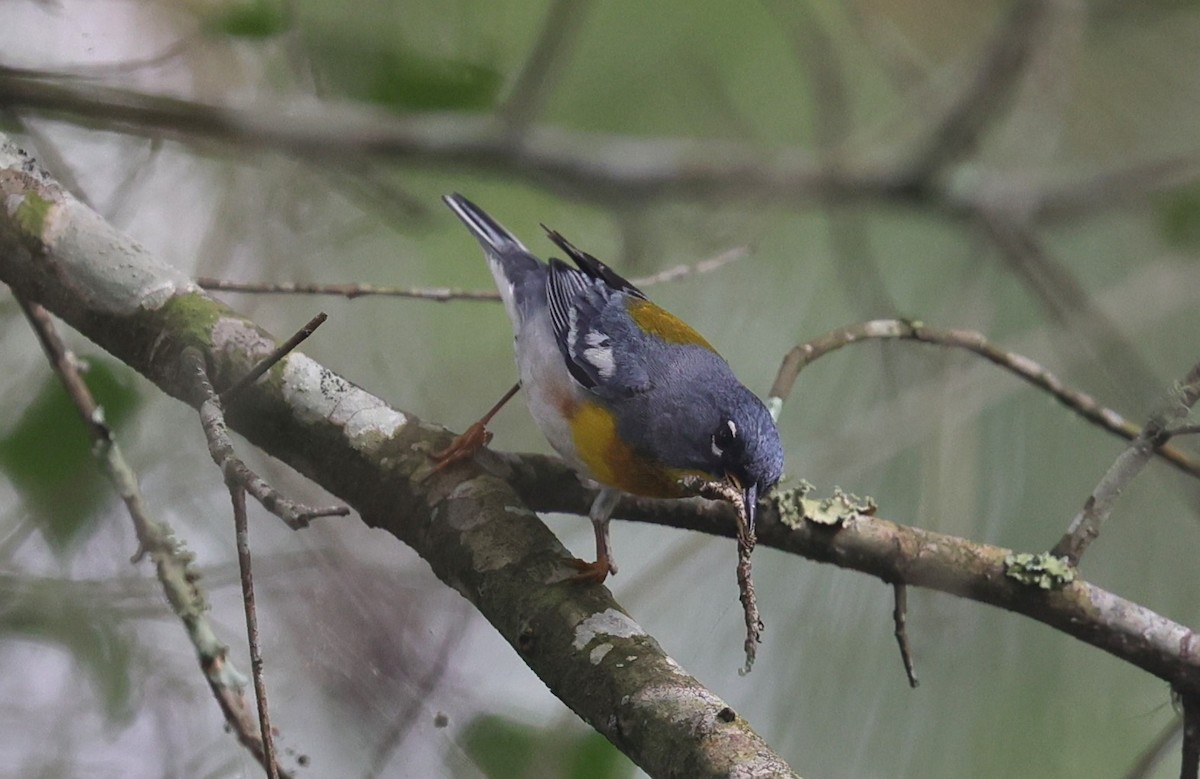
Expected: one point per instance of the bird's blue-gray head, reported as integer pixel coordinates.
(745, 447)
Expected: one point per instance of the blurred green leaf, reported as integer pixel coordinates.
(596, 758)
(1179, 218)
(47, 456)
(501, 748)
(404, 80)
(252, 19)
(47, 611)
(504, 748)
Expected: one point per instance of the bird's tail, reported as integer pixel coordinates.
(519, 275)
(490, 233)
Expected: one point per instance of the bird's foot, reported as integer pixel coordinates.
(592, 573)
(463, 447)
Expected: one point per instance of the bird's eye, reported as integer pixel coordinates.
(726, 434)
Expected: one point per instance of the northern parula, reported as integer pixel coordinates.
(630, 395)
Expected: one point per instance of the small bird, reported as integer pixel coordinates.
(628, 394)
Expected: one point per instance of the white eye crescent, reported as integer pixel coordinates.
(717, 449)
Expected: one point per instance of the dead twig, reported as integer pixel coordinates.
(237, 473)
(1023, 367)
(265, 364)
(241, 530)
(446, 294)
(900, 619)
(172, 561)
(1085, 527)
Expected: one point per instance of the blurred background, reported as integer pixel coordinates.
(1028, 170)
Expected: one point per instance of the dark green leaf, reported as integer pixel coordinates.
(501, 748)
(1179, 219)
(404, 80)
(47, 455)
(253, 19)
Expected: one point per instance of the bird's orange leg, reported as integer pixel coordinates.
(473, 439)
(600, 513)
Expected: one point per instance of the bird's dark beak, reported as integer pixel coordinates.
(750, 496)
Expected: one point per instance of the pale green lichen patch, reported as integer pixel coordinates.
(609, 622)
(795, 507)
(31, 212)
(1039, 570)
(192, 316)
(599, 652)
(317, 394)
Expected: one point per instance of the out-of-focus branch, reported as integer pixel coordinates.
(596, 167)
(546, 60)
(982, 97)
(1065, 300)
(1023, 367)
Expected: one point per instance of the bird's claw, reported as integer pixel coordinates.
(592, 573)
(463, 447)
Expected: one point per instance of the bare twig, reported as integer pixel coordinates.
(238, 496)
(172, 561)
(236, 473)
(351, 291)
(1085, 527)
(900, 619)
(1023, 367)
(446, 294)
(280, 352)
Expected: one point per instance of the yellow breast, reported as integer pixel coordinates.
(615, 463)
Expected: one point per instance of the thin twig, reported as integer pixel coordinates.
(446, 294)
(280, 352)
(350, 291)
(1023, 367)
(172, 562)
(236, 473)
(242, 533)
(900, 619)
(1085, 527)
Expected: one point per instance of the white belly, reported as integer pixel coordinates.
(549, 389)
